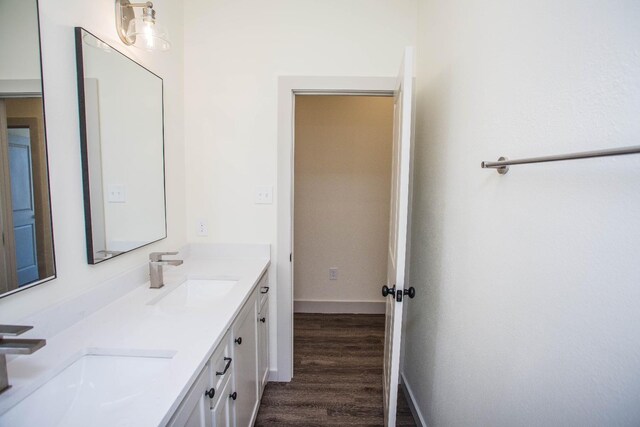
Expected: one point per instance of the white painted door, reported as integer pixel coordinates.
(401, 162)
(245, 364)
(222, 411)
(263, 345)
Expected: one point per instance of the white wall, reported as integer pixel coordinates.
(234, 52)
(342, 195)
(74, 274)
(528, 298)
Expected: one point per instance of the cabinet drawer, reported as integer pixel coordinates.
(221, 363)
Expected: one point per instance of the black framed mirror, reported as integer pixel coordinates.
(27, 255)
(122, 145)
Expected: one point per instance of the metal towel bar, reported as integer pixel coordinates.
(502, 165)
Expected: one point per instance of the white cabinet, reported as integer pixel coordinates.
(246, 364)
(223, 411)
(263, 338)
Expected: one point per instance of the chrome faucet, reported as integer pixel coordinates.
(14, 346)
(155, 267)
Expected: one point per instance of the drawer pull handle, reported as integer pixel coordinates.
(238, 340)
(210, 393)
(263, 319)
(226, 368)
(264, 290)
(233, 395)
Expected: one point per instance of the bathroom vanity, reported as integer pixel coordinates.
(193, 353)
(228, 390)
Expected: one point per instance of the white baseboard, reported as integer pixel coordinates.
(415, 411)
(351, 307)
(273, 375)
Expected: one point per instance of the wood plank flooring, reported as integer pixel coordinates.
(337, 375)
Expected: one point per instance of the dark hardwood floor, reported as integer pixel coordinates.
(337, 375)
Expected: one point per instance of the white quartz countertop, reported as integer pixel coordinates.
(131, 326)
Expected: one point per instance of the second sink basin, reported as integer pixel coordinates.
(96, 390)
(196, 293)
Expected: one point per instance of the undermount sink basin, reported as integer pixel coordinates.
(196, 293)
(94, 390)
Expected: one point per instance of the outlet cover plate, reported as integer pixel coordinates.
(264, 195)
(202, 228)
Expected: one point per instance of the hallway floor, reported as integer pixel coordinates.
(337, 375)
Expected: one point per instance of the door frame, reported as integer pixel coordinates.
(288, 88)
(7, 249)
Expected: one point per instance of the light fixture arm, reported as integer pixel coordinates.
(128, 26)
(125, 13)
(147, 4)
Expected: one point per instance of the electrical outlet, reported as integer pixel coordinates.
(116, 194)
(333, 273)
(202, 228)
(264, 195)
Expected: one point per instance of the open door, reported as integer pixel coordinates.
(394, 290)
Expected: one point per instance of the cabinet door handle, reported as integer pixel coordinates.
(226, 368)
(238, 340)
(263, 319)
(264, 290)
(210, 393)
(233, 395)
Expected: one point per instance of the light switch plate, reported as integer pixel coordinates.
(264, 195)
(116, 194)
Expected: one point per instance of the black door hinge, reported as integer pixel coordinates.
(290, 257)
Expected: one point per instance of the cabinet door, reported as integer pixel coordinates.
(222, 412)
(263, 344)
(246, 365)
(194, 411)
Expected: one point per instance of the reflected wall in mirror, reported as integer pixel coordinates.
(122, 135)
(26, 244)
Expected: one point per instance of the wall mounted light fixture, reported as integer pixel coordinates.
(142, 31)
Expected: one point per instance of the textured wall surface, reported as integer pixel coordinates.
(528, 306)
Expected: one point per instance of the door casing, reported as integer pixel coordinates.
(8, 277)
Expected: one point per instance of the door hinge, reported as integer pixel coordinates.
(290, 257)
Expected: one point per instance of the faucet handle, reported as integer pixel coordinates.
(157, 256)
(13, 330)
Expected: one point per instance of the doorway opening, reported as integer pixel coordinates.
(341, 163)
(401, 88)
(342, 187)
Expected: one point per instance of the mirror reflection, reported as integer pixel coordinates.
(26, 245)
(121, 115)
